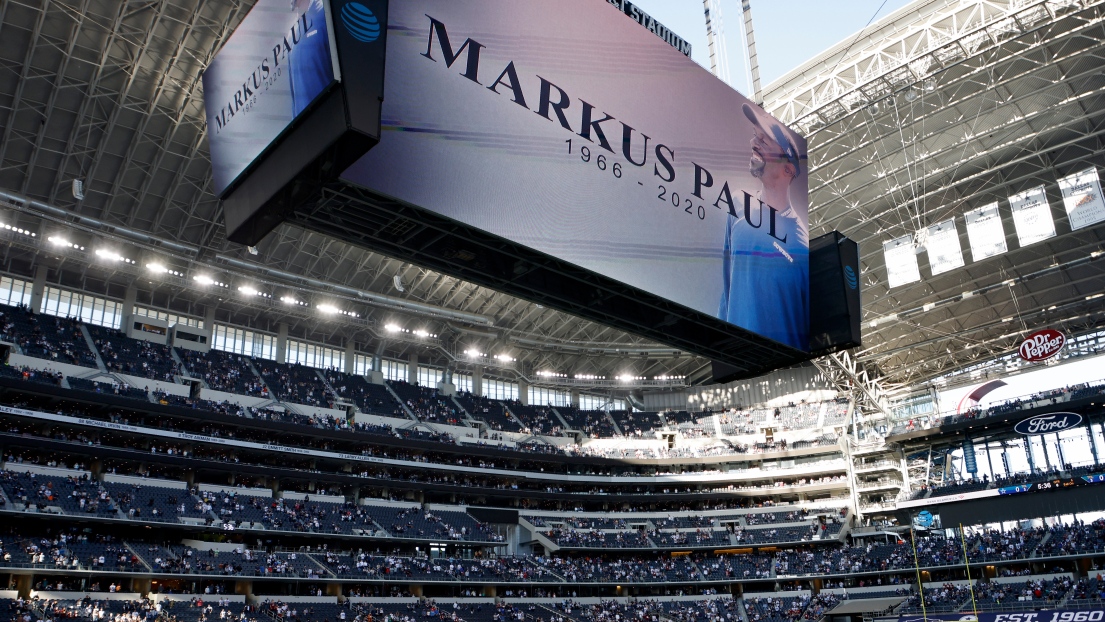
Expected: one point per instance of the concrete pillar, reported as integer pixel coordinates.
(23, 585)
(477, 381)
(209, 319)
(282, 343)
(140, 585)
(375, 375)
(1093, 443)
(38, 288)
(1028, 454)
(350, 356)
(523, 392)
(446, 387)
(412, 368)
(244, 587)
(129, 298)
(575, 398)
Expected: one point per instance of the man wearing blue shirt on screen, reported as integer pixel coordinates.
(309, 61)
(765, 267)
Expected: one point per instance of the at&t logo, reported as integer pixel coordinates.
(360, 22)
(850, 276)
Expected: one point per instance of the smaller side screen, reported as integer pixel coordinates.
(277, 62)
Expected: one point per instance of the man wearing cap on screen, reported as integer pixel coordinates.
(765, 269)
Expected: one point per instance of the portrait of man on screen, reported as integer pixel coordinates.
(765, 262)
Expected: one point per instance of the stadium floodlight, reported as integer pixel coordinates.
(57, 240)
(392, 328)
(292, 300)
(506, 358)
(473, 353)
(203, 279)
(249, 290)
(330, 309)
(551, 374)
(421, 333)
(159, 268)
(111, 255)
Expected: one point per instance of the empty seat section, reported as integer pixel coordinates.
(536, 419)
(223, 371)
(488, 411)
(154, 503)
(294, 383)
(592, 422)
(370, 398)
(72, 495)
(636, 423)
(426, 404)
(46, 336)
(108, 388)
(134, 357)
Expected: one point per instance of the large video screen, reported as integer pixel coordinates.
(277, 62)
(562, 126)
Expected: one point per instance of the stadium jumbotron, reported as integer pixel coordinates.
(401, 309)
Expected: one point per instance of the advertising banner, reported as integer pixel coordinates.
(1082, 198)
(1042, 345)
(985, 232)
(277, 62)
(944, 250)
(1047, 424)
(570, 130)
(1055, 615)
(1032, 216)
(901, 261)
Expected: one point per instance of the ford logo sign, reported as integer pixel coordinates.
(1042, 345)
(1046, 424)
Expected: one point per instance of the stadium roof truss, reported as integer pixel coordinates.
(944, 107)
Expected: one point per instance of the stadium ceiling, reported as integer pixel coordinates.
(940, 108)
(974, 100)
(109, 92)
